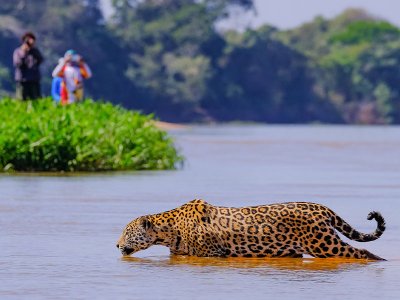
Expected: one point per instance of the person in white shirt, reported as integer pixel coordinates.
(73, 70)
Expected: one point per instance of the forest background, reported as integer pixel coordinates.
(170, 58)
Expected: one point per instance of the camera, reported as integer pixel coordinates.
(76, 58)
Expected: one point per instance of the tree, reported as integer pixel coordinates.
(167, 57)
(169, 43)
(356, 58)
(261, 79)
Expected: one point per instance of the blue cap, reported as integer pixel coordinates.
(69, 52)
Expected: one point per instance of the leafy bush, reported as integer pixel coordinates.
(90, 136)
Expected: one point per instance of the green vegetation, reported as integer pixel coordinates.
(43, 136)
(366, 31)
(168, 57)
(354, 59)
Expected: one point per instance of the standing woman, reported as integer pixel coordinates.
(73, 70)
(27, 59)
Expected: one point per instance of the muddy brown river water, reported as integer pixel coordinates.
(58, 233)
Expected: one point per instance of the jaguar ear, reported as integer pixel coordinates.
(146, 223)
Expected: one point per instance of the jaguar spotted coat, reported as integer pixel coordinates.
(277, 230)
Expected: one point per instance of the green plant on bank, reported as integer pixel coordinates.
(90, 136)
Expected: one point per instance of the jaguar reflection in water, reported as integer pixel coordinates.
(277, 230)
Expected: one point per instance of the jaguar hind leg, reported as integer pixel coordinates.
(343, 250)
(330, 245)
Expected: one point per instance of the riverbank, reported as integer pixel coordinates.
(170, 126)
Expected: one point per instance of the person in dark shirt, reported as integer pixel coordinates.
(27, 59)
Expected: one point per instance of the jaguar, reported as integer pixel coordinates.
(291, 229)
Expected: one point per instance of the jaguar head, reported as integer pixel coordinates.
(137, 235)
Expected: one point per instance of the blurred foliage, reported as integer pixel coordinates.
(355, 59)
(366, 31)
(90, 136)
(168, 57)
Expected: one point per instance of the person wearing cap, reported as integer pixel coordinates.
(73, 70)
(27, 59)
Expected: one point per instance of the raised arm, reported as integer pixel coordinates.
(59, 69)
(85, 70)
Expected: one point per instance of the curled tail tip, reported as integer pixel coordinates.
(379, 219)
(372, 215)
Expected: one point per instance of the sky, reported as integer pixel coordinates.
(286, 14)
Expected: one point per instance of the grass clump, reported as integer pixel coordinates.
(91, 136)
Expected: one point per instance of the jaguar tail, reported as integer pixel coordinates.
(351, 233)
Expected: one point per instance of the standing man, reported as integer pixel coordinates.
(27, 59)
(73, 70)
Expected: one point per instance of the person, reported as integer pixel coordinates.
(73, 70)
(27, 59)
(56, 85)
(56, 89)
